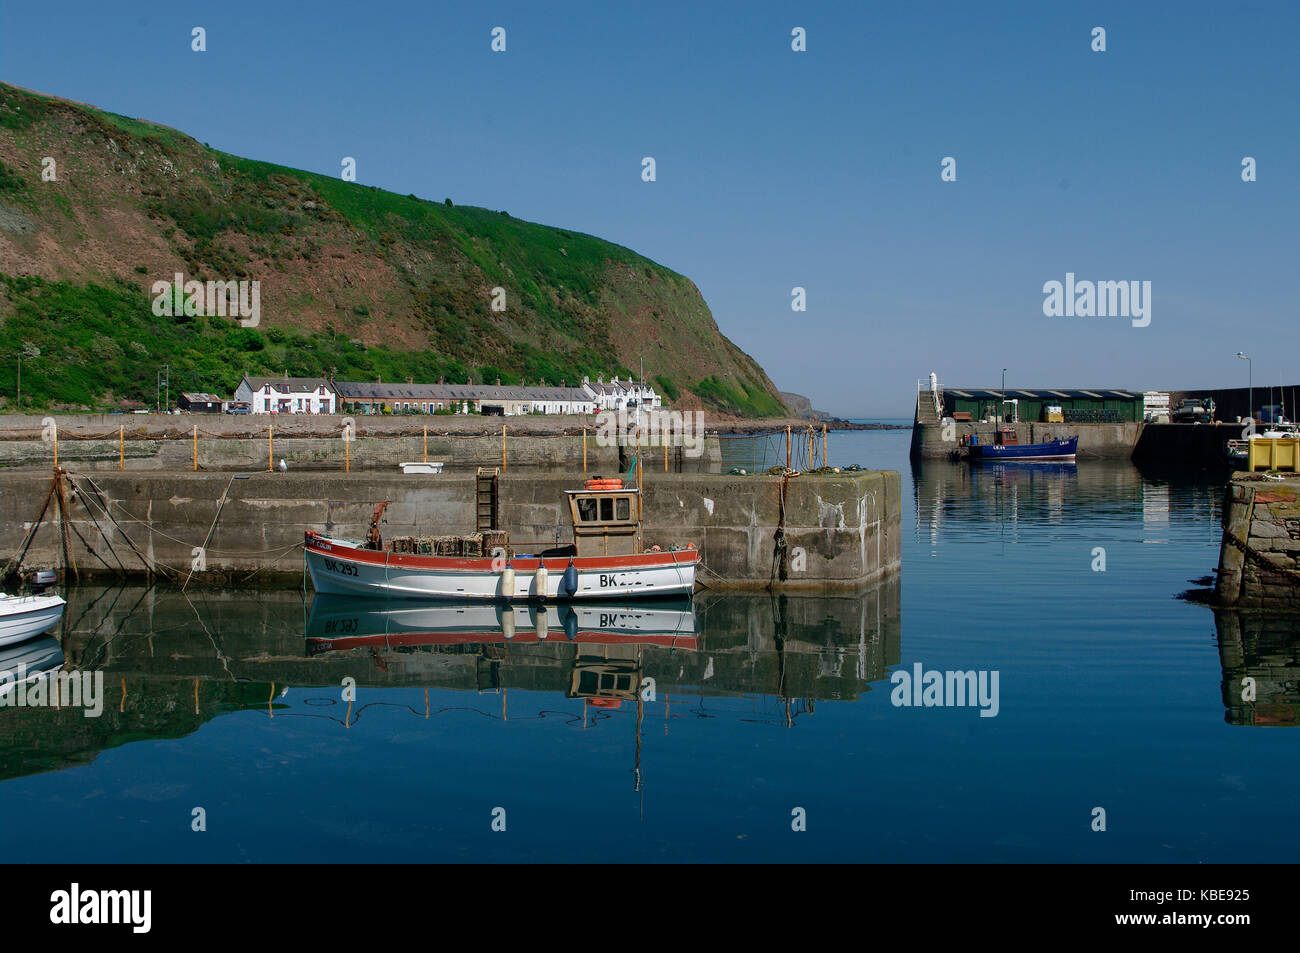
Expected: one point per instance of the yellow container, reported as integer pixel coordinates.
(1275, 453)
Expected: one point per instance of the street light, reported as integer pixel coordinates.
(1002, 396)
(1250, 380)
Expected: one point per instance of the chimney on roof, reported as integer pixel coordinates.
(379, 378)
(498, 382)
(286, 373)
(600, 379)
(561, 381)
(410, 380)
(442, 378)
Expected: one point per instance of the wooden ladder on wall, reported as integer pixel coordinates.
(485, 498)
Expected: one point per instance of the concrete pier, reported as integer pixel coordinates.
(812, 532)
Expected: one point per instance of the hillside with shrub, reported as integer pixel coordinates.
(355, 282)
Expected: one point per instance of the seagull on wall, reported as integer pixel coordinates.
(283, 466)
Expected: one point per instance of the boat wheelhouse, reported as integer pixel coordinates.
(607, 560)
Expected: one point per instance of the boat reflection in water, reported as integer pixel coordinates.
(174, 661)
(340, 623)
(28, 661)
(1260, 656)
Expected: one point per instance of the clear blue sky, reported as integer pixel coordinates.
(776, 169)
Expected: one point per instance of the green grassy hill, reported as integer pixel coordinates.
(355, 281)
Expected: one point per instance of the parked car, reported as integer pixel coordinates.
(238, 407)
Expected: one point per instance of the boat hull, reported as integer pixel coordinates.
(340, 567)
(1029, 452)
(25, 617)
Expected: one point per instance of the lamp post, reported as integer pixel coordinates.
(1250, 381)
(1002, 396)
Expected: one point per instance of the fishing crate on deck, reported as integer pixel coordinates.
(473, 544)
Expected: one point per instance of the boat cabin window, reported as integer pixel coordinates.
(603, 508)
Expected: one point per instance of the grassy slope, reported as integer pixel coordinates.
(355, 281)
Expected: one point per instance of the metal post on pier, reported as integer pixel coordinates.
(503, 448)
(584, 449)
(787, 447)
(270, 448)
(121, 448)
(426, 444)
(196, 449)
(826, 460)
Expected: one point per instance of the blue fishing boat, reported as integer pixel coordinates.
(1005, 447)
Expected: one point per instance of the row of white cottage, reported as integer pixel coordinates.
(317, 395)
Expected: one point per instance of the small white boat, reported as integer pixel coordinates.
(429, 467)
(25, 617)
(606, 561)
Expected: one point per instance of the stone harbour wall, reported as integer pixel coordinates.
(1258, 566)
(813, 532)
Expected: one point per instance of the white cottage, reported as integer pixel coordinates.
(613, 394)
(287, 395)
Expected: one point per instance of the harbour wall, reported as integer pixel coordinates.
(329, 454)
(1154, 445)
(1258, 558)
(1095, 440)
(231, 453)
(814, 532)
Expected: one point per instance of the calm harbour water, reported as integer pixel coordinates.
(1113, 693)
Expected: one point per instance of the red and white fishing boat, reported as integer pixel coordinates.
(607, 560)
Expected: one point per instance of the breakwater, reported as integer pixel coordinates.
(937, 441)
(811, 532)
(229, 444)
(1147, 445)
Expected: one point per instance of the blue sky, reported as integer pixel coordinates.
(779, 169)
